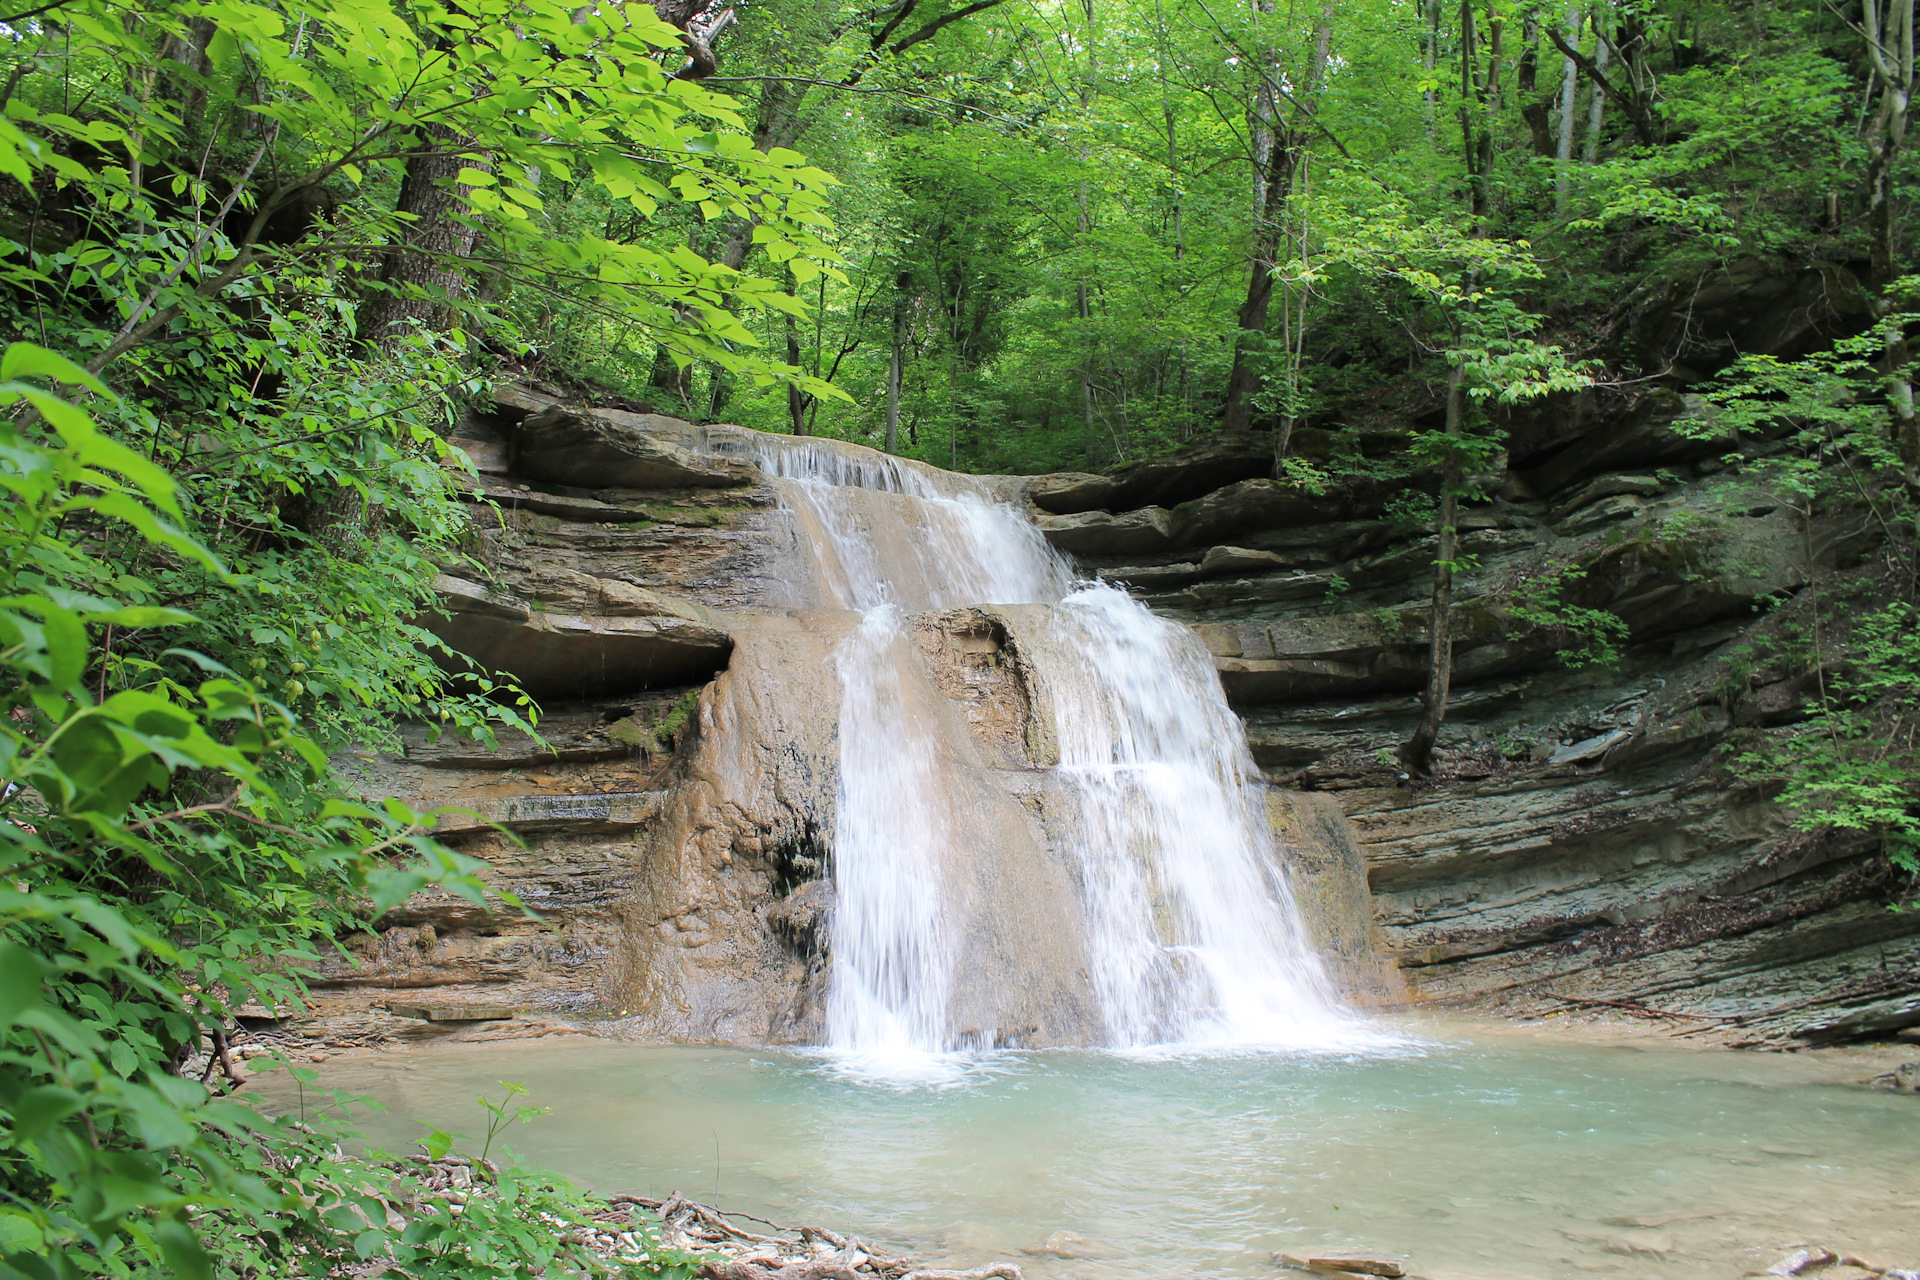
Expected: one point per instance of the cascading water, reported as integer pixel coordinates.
(1189, 932)
(1191, 929)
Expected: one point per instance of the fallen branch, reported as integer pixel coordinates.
(831, 1267)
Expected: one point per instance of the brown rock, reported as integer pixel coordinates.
(1363, 1262)
(1101, 533)
(1800, 1261)
(1241, 560)
(1068, 492)
(567, 654)
(464, 1012)
(1069, 1245)
(1652, 1244)
(613, 449)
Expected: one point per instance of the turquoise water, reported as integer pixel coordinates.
(1482, 1152)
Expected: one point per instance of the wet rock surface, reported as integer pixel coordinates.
(1582, 847)
(1584, 844)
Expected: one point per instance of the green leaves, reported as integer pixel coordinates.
(21, 978)
(168, 851)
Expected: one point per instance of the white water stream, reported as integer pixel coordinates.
(1190, 935)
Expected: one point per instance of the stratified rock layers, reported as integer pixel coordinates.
(1585, 842)
(1582, 845)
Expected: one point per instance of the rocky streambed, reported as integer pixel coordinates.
(1472, 1149)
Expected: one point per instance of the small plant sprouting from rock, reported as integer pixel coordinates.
(662, 733)
(1336, 593)
(1512, 744)
(1594, 635)
(1852, 764)
(1410, 512)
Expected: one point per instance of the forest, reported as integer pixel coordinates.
(257, 256)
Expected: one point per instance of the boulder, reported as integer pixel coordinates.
(1879, 1017)
(1349, 1262)
(1195, 471)
(1642, 437)
(1251, 505)
(1069, 492)
(553, 654)
(1607, 487)
(1756, 306)
(1904, 1078)
(1801, 1261)
(1101, 533)
(1164, 482)
(614, 449)
(1222, 560)
(1069, 1246)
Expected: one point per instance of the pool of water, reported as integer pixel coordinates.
(1478, 1151)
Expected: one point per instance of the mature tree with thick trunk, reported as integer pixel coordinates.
(424, 273)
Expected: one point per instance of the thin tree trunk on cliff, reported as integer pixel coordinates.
(1243, 381)
(1889, 29)
(895, 363)
(796, 398)
(1276, 154)
(1888, 25)
(425, 271)
(673, 380)
(1417, 754)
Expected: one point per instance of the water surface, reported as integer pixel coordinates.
(1482, 1152)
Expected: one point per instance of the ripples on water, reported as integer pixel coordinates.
(1492, 1156)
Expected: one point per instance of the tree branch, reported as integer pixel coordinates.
(926, 32)
(33, 13)
(1643, 123)
(934, 28)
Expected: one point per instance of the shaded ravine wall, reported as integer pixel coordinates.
(1580, 843)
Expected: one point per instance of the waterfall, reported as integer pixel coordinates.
(1190, 935)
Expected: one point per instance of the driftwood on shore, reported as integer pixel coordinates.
(789, 1253)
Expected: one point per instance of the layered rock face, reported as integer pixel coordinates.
(1584, 841)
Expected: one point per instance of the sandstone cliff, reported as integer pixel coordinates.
(1583, 840)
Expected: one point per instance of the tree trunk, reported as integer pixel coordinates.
(189, 51)
(1906, 426)
(1888, 26)
(895, 363)
(1569, 93)
(1243, 381)
(1417, 753)
(1889, 29)
(1535, 110)
(1276, 154)
(796, 398)
(673, 380)
(1430, 61)
(437, 236)
(1597, 101)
